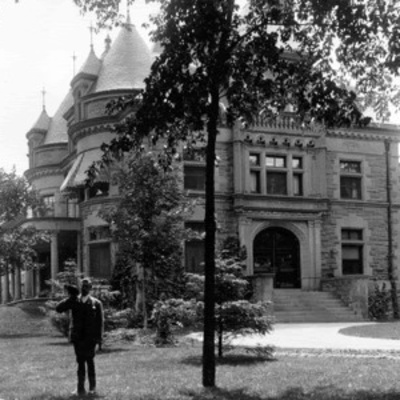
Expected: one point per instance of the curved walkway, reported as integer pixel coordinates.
(317, 336)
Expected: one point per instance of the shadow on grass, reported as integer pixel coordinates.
(319, 393)
(295, 393)
(21, 335)
(230, 359)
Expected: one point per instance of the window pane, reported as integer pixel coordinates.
(195, 178)
(350, 166)
(276, 161)
(276, 183)
(351, 234)
(254, 159)
(254, 181)
(297, 185)
(297, 163)
(194, 256)
(352, 260)
(100, 260)
(350, 187)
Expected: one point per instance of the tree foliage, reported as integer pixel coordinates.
(17, 244)
(256, 62)
(16, 196)
(235, 315)
(148, 226)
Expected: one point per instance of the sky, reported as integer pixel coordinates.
(37, 41)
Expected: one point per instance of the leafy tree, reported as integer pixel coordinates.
(148, 227)
(16, 196)
(17, 250)
(16, 243)
(234, 314)
(273, 54)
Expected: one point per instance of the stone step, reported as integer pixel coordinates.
(294, 305)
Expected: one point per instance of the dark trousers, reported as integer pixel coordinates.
(85, 353)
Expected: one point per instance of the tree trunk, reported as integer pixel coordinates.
(145, 316)
(210, 228)
(139, 289)
(217, 79)
(220, 334)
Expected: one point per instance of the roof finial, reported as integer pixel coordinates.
(91, 29)
(44, 98)
(128, 22)
(107, 42)
(73, 63)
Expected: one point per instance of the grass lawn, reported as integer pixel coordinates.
(41, 366)
(383, 330)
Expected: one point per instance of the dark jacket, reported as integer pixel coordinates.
(87, 322)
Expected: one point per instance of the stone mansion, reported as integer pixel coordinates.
(309, 204)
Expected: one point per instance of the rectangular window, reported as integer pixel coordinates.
(350, 167)
(194, 177)
(276, 183)
(49, 202)
(100, 260)
(254, 160)
(275, 161)
(350, 180)
(352, 252)
(350, 187)
(194, 249)
(297, 163)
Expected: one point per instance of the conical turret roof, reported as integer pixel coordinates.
(42, 123)
(126, 64)
(91, 65)
(58, 131)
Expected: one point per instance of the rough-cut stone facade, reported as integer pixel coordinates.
(278, 189)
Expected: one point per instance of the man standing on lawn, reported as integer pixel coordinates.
(85, 333)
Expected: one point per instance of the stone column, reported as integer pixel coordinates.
(54, 254)
(79, 252)
(28, 284)
(12, 284)
(17, 283)
(37, 282)
(6, 287)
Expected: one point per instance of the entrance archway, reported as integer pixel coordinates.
(277, 250)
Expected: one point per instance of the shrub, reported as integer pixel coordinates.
(379, 302)
(173, 312)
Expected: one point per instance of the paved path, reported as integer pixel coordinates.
(318, 336)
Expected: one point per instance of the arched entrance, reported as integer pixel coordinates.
(277, 250)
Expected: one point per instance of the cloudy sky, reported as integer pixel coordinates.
(37, 41)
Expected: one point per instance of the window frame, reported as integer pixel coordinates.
(186, 178)
(270, 163)
(351, 176)
(355, 243)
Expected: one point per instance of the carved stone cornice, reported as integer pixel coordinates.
(365, 134)
(285, 215)
(98, 125)
(39, 172)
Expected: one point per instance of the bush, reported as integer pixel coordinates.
(379, 303)
(171, 313)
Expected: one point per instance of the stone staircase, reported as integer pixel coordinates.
(295, 305)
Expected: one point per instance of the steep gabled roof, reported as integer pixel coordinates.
(126, 64)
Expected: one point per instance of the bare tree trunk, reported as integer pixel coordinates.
(139, 289)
